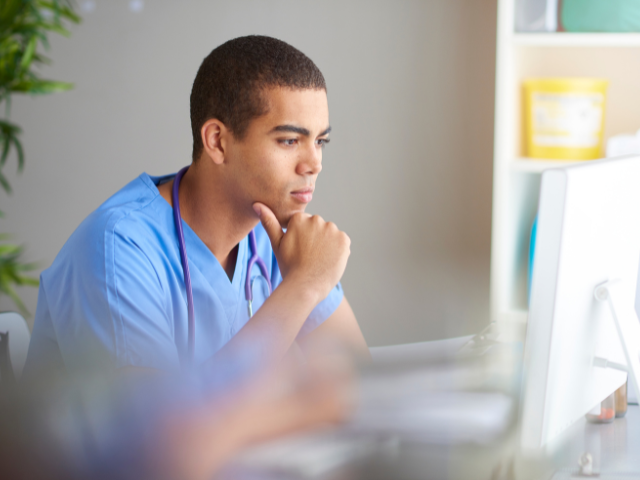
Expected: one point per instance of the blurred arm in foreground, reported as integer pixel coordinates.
(165, 427)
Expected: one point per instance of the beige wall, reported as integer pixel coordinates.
(407, 174)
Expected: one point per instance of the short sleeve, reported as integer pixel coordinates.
(101, 305)
(140, 310)
(322, 311)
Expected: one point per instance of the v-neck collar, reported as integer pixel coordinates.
(206, 261)
(202, 259)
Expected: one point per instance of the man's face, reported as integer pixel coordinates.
(278, 160)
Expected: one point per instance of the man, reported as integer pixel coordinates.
(116, 291)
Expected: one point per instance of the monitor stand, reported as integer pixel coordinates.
(628, 327)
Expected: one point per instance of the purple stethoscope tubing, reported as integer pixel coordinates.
(185, 263)
(255, 258)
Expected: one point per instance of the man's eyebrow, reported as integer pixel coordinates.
(300, 130)
(293, 129)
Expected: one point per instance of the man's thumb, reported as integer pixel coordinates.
(269, 222)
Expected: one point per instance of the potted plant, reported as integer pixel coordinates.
(24, 27)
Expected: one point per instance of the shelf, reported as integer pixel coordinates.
(538, 166)
(577, 39)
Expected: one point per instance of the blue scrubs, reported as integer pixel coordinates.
(115, 293)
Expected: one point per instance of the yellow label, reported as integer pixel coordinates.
(571, 120)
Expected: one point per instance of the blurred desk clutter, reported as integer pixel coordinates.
(440, 410)
(443, 414)
(612, 448)
(445, 409)
(577, 15)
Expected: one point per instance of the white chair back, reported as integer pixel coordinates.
(19, 337)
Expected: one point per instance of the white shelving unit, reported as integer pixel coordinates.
(577, 39)
(516, 179)
(538, 166)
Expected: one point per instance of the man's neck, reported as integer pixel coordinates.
(211, 212)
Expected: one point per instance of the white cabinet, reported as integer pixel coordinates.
(516, 180)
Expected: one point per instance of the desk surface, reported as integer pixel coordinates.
(615, 447)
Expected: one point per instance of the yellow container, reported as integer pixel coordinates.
(564, 118)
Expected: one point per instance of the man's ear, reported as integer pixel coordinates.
(215, 136)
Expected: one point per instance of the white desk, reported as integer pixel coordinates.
(615, 447)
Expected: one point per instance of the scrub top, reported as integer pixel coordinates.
(115, 294)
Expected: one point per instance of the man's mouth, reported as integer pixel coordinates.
(304, 195)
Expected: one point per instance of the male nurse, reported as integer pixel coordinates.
(115, 295)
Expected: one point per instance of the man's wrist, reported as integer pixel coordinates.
(307, 289)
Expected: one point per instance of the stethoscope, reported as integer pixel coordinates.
(248, 285)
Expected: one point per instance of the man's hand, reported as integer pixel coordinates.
(312, 256)
(312, 251)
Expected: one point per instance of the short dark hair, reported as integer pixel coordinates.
(230, 82)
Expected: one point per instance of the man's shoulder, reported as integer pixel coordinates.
(133, 208)
(135, 211)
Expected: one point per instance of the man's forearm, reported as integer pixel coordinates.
(276, 324)
(343, 327)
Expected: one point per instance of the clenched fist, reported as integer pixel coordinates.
(313, 251)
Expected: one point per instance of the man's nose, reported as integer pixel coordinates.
(311, 162)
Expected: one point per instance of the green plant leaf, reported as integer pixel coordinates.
(40, 87)
(12, 128)
(6, 143)
(11, 271)
(19, 150)
(27, 56)
(48, 86)
(4, 183)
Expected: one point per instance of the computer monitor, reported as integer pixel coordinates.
(582, 316)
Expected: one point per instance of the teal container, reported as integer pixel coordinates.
(532, 254)
(601, 15)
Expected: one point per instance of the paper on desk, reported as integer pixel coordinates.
(440, 417)
(307, 455)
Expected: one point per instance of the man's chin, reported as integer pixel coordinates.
(285, 217)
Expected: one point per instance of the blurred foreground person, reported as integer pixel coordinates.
(161, 427)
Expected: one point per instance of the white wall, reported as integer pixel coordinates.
(407, 174)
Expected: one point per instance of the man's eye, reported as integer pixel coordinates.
(288, 141)
(322, 141)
